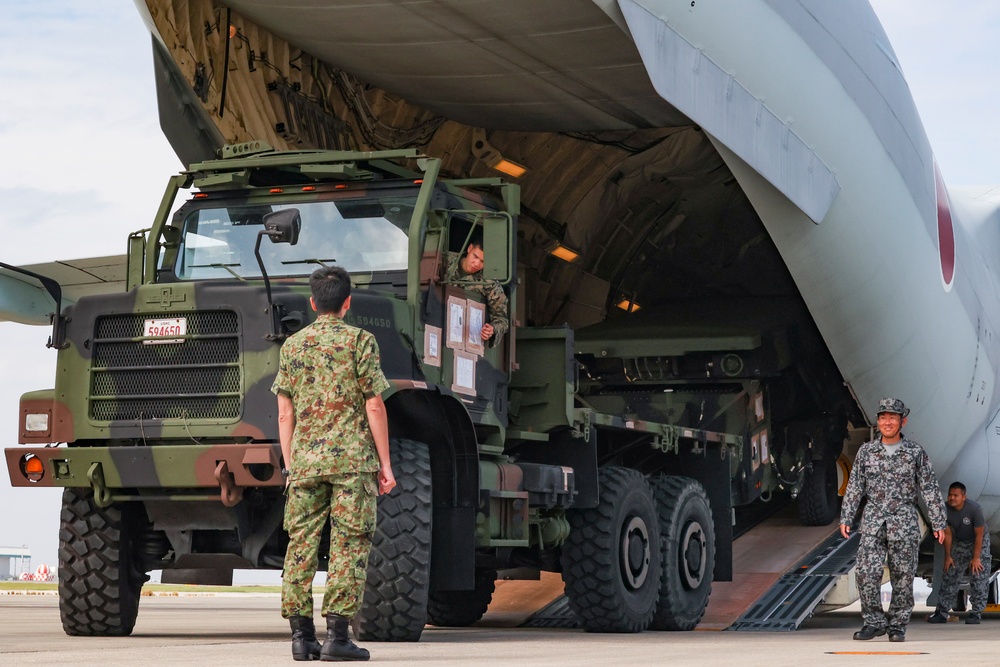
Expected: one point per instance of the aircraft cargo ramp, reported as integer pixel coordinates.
(794, 597)
(769, 556)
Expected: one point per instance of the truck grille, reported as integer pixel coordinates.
(200, 378)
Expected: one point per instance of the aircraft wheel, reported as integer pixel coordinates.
(688, 541)
(458, 609)
(611, 560)
(818, 500)
(99, 583)
(395, 603)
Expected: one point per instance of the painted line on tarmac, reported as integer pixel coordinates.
(877, 653)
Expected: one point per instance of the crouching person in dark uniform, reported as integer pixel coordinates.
(891, 471)
(966, 547)
(335, 441)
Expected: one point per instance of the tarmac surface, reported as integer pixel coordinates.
(246, 629)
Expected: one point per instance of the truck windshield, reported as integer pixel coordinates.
(361, 234)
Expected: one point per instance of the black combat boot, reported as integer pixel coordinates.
(304, 644)
(868, 632)
(338, 645)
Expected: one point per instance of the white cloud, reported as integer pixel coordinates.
(80, 117)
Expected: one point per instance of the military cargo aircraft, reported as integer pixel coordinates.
(703, 172)
(776, 142)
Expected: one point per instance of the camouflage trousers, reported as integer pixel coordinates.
(348, 502)
(961, 554)
(902, 557)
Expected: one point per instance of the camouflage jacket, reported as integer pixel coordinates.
(329, 369)
(491, 291)
(892, 482)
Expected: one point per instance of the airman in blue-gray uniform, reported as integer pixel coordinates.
(892, 471)
(335, 443)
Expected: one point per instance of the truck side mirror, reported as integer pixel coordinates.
(498, 237)
(283, 226)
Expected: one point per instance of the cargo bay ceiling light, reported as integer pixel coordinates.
(628, 305)
(492, 158)
(565, 253)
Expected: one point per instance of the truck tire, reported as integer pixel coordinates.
(394, 608)
(818, 499)
(611, 560)
(687, 537)
(458, 609)
(99, 585)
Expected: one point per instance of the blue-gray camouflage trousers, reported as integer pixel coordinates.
(961, 554)
(902, 556)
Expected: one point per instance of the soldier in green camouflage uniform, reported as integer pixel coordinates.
(891, 471)
(334, 440)
(468, 267)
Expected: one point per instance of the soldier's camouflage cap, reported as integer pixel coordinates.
(892, 405)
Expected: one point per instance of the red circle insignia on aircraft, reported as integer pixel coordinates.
(946, 231)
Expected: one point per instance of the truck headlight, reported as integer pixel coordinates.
(36, 422)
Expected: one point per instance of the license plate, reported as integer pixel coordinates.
(162, 331)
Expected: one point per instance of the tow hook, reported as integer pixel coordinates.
(230, 493)
(95, 475)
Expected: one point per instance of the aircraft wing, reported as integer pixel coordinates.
(23, 299)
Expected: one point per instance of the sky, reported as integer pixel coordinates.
(84, 164)
(84, 161)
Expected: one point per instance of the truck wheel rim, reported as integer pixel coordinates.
(635, 553)
(694, 555)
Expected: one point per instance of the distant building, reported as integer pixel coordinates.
(14, 561)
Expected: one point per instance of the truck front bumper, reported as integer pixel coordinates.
(184, 471)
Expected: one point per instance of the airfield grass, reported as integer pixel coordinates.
(149, 589)
(27, 586)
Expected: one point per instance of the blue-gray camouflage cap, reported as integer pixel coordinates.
(893, 405)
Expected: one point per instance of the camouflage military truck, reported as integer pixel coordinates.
(615, 454)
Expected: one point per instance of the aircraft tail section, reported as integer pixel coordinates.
(23, 299)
